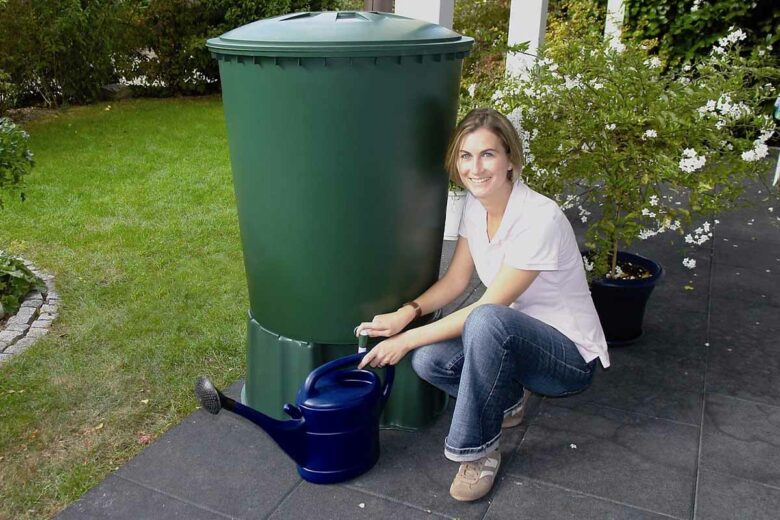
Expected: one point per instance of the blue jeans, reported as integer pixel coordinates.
(500, 352)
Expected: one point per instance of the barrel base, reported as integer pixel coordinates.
(277, 366)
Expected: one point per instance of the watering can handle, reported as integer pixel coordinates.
(354, 359)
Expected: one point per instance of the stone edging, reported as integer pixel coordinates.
(33, 319)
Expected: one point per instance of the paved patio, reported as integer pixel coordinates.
(686, 424)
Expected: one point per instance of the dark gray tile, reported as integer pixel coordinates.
(525, 498)
(118, 499)
(412, 468)
(638, 461)
(668, 330)
(221, 462)
(647, 381)
(342, 503)
(753, 223)
(741, 438)
(751, 286)
(756, 321)
(721, 497)
(744, 362)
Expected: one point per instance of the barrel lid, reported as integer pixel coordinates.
(337, 34)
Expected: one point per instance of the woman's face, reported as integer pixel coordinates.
(483, 163)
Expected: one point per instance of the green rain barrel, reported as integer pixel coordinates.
(337, 125)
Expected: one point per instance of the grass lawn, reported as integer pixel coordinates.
(130, 206)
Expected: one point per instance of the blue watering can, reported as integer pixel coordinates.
(333, 431)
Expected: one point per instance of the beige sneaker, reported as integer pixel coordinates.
(516, 417)
(475, 479)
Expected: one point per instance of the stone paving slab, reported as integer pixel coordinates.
(120, 498)
(639, 461)
(740, 438)
(722, 497)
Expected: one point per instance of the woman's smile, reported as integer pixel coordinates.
(483, 164)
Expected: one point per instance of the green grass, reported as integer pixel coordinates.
(130, 206)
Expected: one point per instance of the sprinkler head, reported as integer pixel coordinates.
(208, 395)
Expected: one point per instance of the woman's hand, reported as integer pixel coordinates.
(386, 325)
(387, 352)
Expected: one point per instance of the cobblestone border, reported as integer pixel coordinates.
(32, 321)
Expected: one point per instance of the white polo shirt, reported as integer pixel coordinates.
(535, 235)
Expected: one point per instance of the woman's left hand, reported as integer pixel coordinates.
(387, 352)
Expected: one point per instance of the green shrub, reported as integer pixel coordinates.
(63, 50)
(15, 282)
(16, 159)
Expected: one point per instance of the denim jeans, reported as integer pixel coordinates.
(500, 352)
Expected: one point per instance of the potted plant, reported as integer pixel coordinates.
(638, 151)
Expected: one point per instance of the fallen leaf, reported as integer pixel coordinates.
(99, 427)
(688, 287)
(144, 401)
(145, 439)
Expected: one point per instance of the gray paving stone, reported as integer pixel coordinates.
(722, 497)
(649, 382)
(32, 302)
(17, 327)
(223, 463)
(525, 498)
(341, 503)
(413, 468)
(120, 499)
(740, 438)
(4, 357)
(23, 315)
(639, 461)
(20, 346)
(756, 254)
(10, 336)
(750, 287)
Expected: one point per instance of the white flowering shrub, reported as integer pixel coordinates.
(604, 125)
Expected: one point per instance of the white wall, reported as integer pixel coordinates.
(434, 11)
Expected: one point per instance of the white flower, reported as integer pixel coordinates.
(649, 134)
(588, 265)
(691, 161)
(647, 213)
(616, 45)
(695, 6)
(653, 200)
(610, 126)
(690, 263)
(575, 82)
(596, 85)
(732, 37)
(472, 89)
(653, 63)
(644, 234)
(497, 95)
(689, 239)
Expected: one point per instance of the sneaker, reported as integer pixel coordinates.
(516, 417)
(475, 479)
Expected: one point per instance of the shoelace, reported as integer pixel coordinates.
(471, 471)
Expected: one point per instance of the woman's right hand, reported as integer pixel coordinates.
(386, 325)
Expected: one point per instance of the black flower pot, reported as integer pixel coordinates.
(620, 304)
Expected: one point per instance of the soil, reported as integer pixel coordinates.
(631, 272)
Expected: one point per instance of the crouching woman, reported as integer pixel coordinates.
(535, 328)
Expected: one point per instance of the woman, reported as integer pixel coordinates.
(534, 328)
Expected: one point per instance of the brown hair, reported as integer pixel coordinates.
(497, 123)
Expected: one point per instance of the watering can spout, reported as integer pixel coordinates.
(289, 435)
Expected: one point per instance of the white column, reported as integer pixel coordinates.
(616, 13)
(527, 23)
(434, 11)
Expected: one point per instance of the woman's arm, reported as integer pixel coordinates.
(444, 291)
(508, 285)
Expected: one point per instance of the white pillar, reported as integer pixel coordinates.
(434, 11)
(527, 23)
(616, 13)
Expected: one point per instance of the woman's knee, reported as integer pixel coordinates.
(485, 322)
(423, 363)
